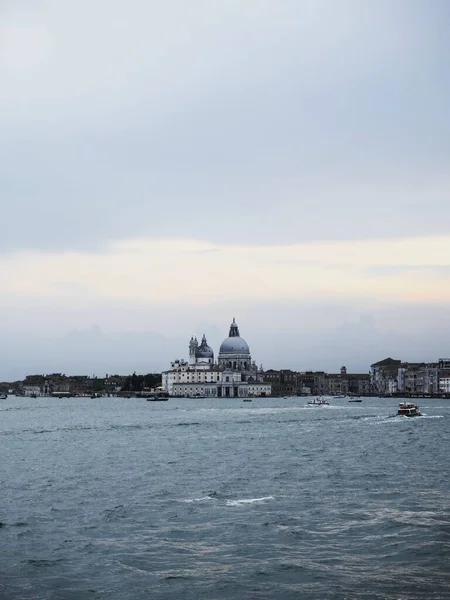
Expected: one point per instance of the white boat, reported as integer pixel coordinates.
(407, 409)
(318, 402)
(3, 396)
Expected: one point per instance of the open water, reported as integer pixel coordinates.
(220, 499)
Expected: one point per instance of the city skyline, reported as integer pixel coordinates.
(164, 168)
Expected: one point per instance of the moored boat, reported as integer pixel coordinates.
(407, 409)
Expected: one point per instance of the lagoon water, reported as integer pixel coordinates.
(220, 499)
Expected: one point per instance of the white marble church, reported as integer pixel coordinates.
(234, 375)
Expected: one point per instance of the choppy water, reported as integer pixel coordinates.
(219, 499)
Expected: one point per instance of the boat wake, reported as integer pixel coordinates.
(424, 416)
(402, 419)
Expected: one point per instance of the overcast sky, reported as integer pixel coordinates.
(165, 166)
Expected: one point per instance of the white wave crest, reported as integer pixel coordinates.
(248, 501)
(202, 499)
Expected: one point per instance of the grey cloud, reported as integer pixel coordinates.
(237, 122)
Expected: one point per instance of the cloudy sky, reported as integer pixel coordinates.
(165, 166)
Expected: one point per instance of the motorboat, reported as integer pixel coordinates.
(247, 400)
(157, 398)
(407, 409)
(318, 402)
(3, 396)
(356, 400)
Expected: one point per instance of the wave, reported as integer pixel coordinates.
(228, 501)
(245, 501)
(201, 499)
(42, 562)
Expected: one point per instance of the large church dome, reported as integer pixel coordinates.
(234, 344)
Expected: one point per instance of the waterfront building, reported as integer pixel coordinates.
(428, 378)
(338, 383)
(390, 377)
(417, 378)
(283, 382)
(234, 375)
(444, 385)
(444, 375)
(31, 390)
(291, 383)
(357, 384)
(384, 376)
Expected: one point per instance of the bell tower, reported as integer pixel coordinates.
(193, 346)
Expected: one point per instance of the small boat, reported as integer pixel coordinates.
(156, 399)
(3, 396)
(247, 400)
(318, 402)
(157, 395)
(407, 409)
(356, 400)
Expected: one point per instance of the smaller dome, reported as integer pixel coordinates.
(204, 351)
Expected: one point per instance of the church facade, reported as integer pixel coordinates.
(234, 375)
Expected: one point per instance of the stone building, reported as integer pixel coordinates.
(234, 375)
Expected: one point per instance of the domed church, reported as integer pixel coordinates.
(234, 375)
(234, 352)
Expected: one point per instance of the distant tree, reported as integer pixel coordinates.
(136, 383)
(34, 380)
(98, 385)
(152, 380)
